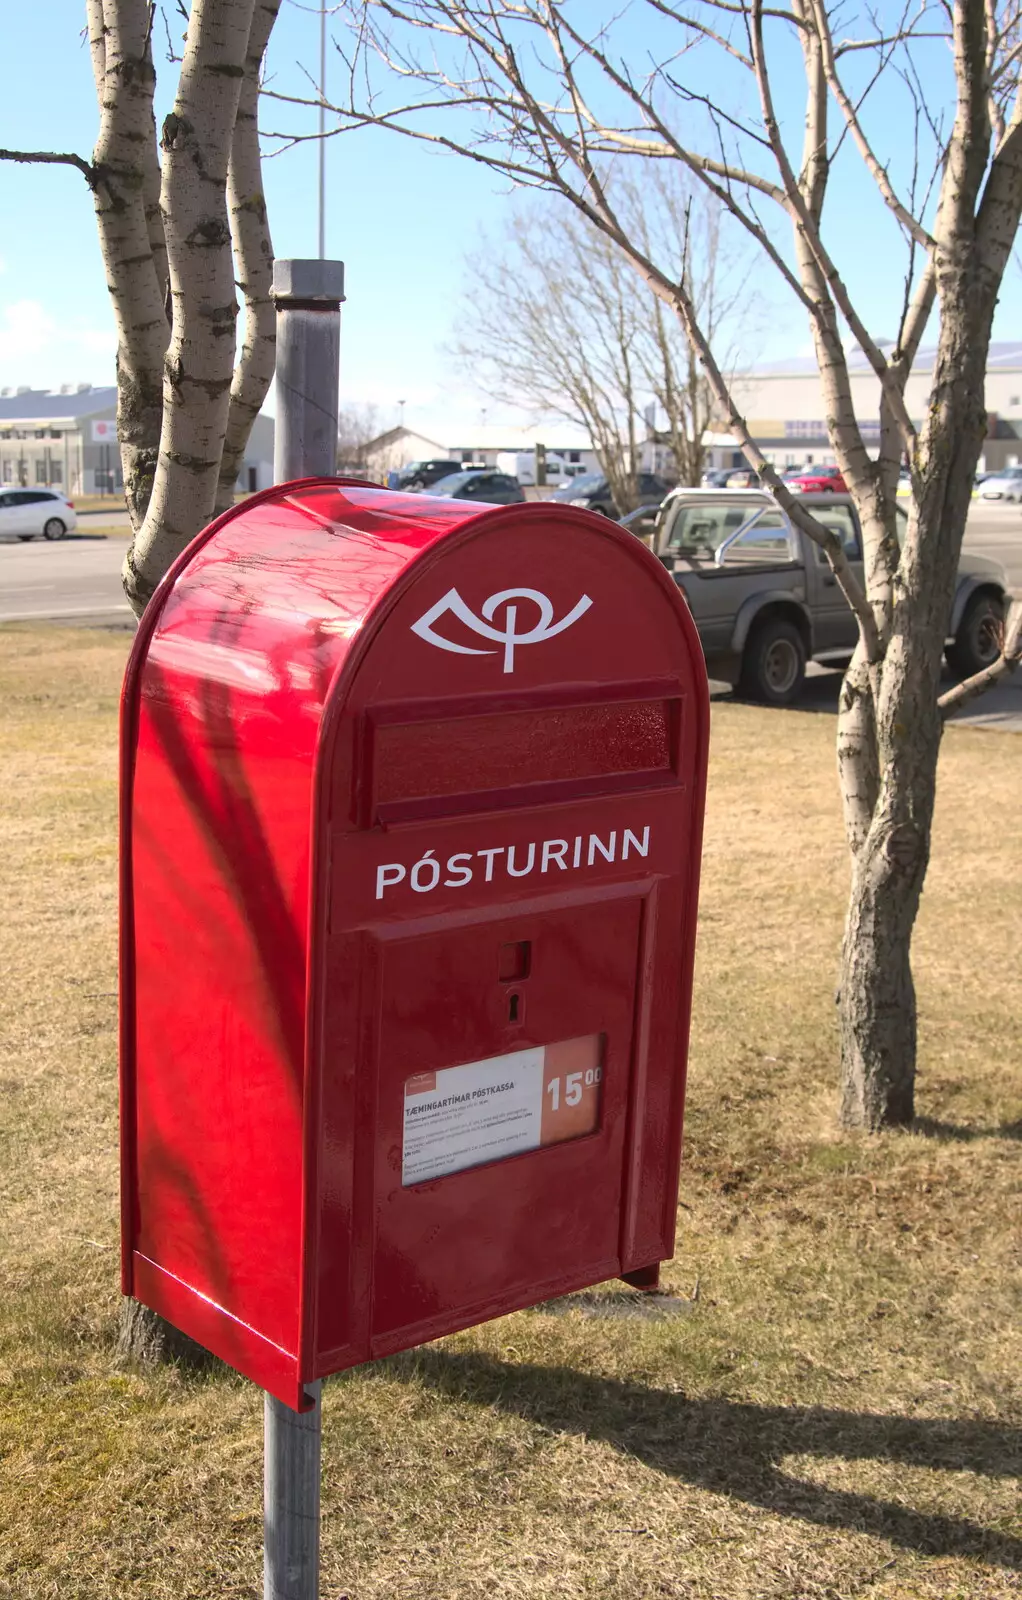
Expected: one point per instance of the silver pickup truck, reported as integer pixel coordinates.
(765, 600)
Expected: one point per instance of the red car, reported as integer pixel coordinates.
(818, 480)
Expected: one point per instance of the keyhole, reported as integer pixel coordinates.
(512, 1008)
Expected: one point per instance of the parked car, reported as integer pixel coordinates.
(593, 492)
(817, 480)
(492, 488)
(764, 598)
(1004, 485)
(742, 478)
(715, 477)
(642, 522)
(423, 474)
(35, 513)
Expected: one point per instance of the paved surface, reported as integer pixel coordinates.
(113, 518)
(78, 581)
(75, 580)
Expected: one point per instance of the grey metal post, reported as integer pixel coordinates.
(291, 1447)
(308, 296)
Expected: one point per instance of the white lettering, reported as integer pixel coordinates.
(465, 872)
(640, 849)
(489, 854)
(596, 843)
(554, 850)
(513, 870)
(425, 874)
(393, 872)
(432, 867)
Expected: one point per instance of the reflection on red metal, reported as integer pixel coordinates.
(412, 798)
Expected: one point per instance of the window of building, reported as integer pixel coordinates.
(56, 472)
(40, 471)
(8, 472)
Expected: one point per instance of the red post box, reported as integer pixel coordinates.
(412, 800)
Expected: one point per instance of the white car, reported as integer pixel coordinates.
(1004, 485)
(35, 513)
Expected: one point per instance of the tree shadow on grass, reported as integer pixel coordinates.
(933, 1128)
(736, 1449)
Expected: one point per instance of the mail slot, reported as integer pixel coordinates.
(412, 796)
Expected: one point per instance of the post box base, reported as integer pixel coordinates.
(645, 1278)
(274, 1369)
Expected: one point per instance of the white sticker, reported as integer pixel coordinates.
(485, 1110)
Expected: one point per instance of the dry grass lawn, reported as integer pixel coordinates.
(837, 1415)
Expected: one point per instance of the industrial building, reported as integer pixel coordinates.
(67, 439)
(783, 406)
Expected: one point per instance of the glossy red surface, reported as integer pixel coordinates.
(346, 796)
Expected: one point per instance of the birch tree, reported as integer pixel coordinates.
(181, 216)
(762, 104)
(555, 320)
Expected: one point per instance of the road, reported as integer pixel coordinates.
(75, 580)
(78, 581)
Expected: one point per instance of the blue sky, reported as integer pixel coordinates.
(401, 216)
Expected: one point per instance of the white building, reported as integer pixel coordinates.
(67, 439)
(391, 451)
(568, 451)
(783, 407)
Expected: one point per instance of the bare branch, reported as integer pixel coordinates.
(804, 201)
(1006, 663)
(879, 173)
(92, 175)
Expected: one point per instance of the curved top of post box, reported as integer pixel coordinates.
(289, 587)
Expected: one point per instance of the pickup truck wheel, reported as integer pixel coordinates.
(773, 663)
(978, 640)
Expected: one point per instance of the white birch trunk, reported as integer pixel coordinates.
(976, 225)
(121, 48)
(196, 141)
(253, 255)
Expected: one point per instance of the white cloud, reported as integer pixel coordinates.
(44, 351)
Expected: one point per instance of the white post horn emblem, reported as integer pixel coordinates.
(545, 628)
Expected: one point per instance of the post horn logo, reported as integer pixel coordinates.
(483, 625)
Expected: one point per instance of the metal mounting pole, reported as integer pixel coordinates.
(308, 296)
(291, 1441)
(322, 130)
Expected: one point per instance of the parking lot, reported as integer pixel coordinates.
(78, 581)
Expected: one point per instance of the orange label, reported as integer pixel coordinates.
(572, 1078)
(422, 1083)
